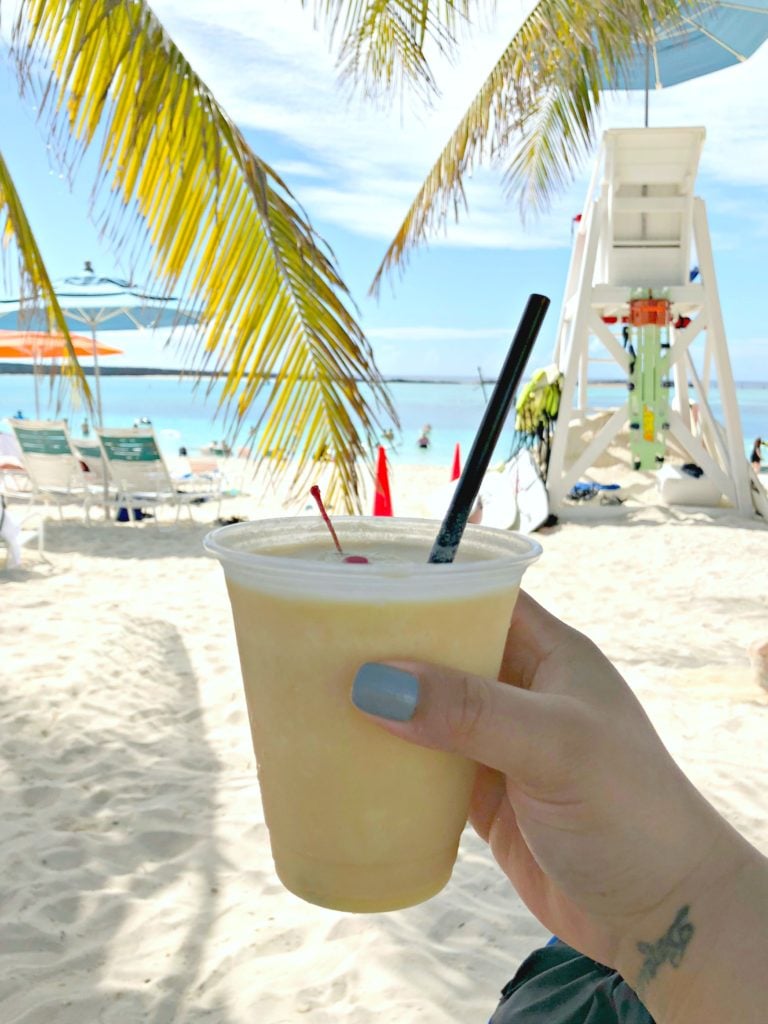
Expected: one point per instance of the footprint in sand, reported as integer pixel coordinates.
(309, 999)
(63, 858)
(165, 845)
(279, 942)
(23, 938)
(347, 928)
(65, 910)
(446, 925)
(40, 796)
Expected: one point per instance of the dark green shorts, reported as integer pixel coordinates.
(557, 985)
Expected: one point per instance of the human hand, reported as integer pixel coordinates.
(601, 833)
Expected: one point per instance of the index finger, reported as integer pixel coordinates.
(534, 634)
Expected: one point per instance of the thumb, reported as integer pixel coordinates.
(516, 731)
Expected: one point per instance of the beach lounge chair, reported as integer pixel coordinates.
(14, 479)
(14, 482)
(91, 460)
(203, 474)
(52, 465)
(140, 477)
(16, 534)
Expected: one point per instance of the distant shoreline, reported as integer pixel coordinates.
(150, 371)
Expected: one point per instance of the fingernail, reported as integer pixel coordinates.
(386, 692)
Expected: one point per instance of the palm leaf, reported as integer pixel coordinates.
(381, 43)
(217, 223)
(35, 288)
(536, 112)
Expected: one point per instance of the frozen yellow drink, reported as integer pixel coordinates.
(358, 819)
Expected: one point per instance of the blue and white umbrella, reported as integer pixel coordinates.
(716, 35)
(100, 304)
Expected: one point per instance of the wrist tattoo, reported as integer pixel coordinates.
(669, 949)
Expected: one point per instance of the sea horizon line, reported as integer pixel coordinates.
(11, 368)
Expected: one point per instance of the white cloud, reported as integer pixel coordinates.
(273, 71)
(374, 206)
(300, 169)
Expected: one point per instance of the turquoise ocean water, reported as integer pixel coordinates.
(184, 416)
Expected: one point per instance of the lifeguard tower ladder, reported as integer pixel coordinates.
(638, 231)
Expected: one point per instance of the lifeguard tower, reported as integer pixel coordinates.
(630, 281)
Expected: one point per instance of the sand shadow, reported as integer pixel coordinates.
(111, 859)
(123, 540)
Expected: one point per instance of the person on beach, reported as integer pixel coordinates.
(423, 441)
(756, 458)
(388, 437)
(657, 902)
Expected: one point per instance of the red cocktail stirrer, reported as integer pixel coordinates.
(360, 559)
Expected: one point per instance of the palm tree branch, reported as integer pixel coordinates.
(220, 224)
(35, 286)
(381, 43)
(536, 110)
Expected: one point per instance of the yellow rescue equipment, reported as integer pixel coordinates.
(536, 412)
(539, 402)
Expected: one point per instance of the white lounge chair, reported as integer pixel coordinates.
(52, 465)
(140, 477)
(16, 534)
(14, 479)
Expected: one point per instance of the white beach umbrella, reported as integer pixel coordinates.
(100, 304)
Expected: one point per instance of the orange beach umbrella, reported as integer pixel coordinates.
(41, 345)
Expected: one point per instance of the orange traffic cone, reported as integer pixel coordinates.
(456, 471)
(382, 502)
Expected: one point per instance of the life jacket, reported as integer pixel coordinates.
(539, 401)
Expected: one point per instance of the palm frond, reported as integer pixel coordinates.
(34, 284)
(217, 223)
(536, 111)
(381, 43)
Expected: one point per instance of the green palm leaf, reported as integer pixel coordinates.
(35, 286)
(219, 225)
(536, 112)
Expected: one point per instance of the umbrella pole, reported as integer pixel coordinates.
(647, 79)
(96, 378)
(37, 389)
(97, 389)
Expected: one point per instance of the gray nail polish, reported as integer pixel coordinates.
(386, 692)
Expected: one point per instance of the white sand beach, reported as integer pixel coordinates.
(137, 878)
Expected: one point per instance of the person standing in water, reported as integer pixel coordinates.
(756, 457)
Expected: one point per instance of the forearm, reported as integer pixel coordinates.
(701, 956)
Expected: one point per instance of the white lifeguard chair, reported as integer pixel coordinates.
(640, 229)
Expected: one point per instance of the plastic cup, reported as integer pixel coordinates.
(359, 820)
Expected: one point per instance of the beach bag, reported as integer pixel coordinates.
(123, 515)
(558, 985)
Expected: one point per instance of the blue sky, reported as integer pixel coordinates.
(355, 169)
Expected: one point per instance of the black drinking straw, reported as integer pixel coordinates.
(452, 526)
